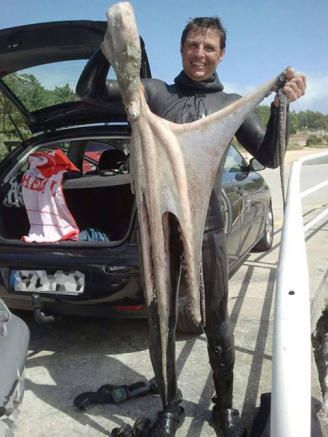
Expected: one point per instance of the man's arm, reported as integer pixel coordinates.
(264, 144)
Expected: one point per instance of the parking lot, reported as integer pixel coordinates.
(76, 355)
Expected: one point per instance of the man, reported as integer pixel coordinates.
(197, 92)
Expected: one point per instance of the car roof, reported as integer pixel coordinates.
(29, 46)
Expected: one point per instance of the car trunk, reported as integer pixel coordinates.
(101, 202)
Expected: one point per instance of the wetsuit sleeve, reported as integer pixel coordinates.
(262, 144)
(92, 85)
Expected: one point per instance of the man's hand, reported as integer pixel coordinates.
(295, 86)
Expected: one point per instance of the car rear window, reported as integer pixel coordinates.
(46, 85)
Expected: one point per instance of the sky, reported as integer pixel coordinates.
(263, 36)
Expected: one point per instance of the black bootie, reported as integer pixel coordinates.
(167, 423)
(227, 422)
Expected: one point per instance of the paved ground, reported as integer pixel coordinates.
(76, 355)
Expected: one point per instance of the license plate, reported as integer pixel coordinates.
(59, 282)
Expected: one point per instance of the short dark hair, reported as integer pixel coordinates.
(204, 23)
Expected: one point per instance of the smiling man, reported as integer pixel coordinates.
(201, 51)
(196, 93)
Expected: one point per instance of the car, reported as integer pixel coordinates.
(14, 341)
(99, 275)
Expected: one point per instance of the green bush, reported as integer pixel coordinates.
(316, 140)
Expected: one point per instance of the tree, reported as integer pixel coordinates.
(293, 122)
(318, 121)
(33, 95)
(312, 120)
(62, 94)
(263, 112)
(28, 89)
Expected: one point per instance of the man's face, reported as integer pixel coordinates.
(201, 53)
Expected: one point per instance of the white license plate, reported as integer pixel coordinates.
(60, 282)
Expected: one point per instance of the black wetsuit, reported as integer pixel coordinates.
(186, 101)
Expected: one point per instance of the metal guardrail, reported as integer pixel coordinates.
(291, 355)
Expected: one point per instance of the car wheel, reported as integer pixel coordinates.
(185, 325)
(267, 240)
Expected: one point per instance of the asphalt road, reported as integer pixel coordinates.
(76, 355)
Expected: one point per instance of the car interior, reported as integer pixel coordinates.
(98, 196)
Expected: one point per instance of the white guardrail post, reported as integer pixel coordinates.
(291, 355)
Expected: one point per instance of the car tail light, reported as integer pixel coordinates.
(129, 308)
